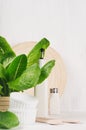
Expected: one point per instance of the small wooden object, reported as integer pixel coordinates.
(54, 121)
(49, 121)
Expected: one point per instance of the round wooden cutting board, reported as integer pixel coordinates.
(57, 77)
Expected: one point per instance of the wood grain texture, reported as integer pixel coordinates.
(4, 103)
(58, 76)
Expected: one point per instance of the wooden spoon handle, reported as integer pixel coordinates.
(53, 121)
(49, 121)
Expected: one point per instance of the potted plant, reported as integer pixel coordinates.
(18, 73)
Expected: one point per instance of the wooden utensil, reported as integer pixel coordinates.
(54, 121)
(49, 121)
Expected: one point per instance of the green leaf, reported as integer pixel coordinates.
(6, 52)
(5, 90)
(45, 70)
(1, 93)
(35, 54)
(0, 88)
(7, 59)
(16, 67)
(27, 80)
(1, 56)
(4, 46)
(2, 72)
(8, 120)
(3, 86)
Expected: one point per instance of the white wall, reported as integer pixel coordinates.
(63, 22)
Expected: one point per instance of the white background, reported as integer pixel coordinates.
(63, 22)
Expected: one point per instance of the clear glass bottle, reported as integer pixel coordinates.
(54, 105)
(41, 91)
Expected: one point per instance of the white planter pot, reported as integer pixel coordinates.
(24, 106)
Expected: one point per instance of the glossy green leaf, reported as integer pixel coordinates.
(5, 46)
(5, 91)
(2, 72)
(27, 80)
(0, 88)
(6, 52)
(45, 70)
(16, 67)
(34, 54)
(3, 88)
(8, 120)
(1, 93)
(7, 59)
(1, 56)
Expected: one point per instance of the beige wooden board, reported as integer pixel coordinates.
(57, 77)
